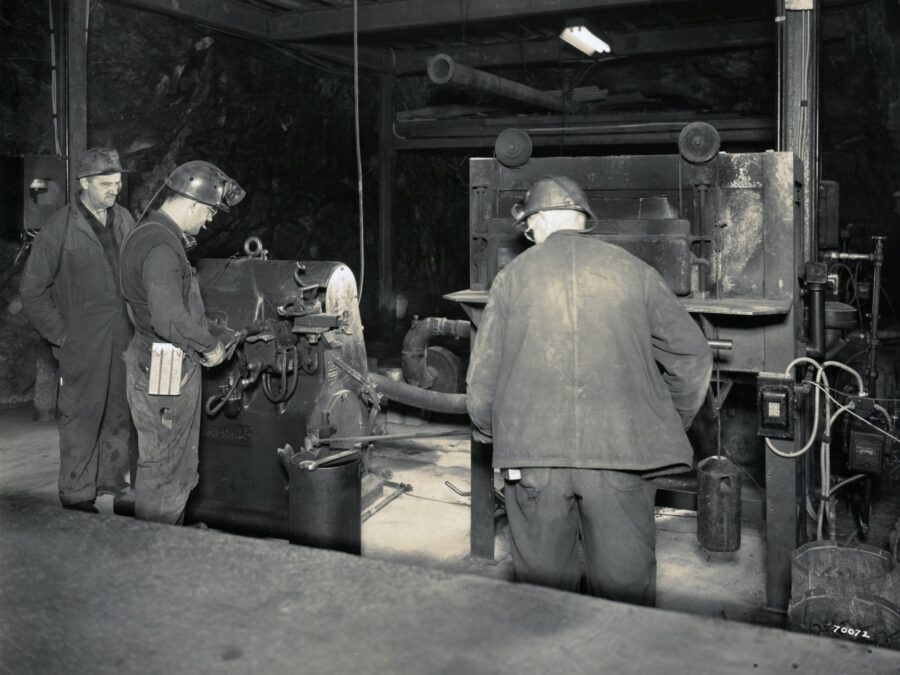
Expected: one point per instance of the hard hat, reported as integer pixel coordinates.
(205, 183)
(553, 193)
(97, 162)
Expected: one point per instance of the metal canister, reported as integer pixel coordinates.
(718, 504)
(324, 510)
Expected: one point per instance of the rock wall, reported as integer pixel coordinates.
(164, 91)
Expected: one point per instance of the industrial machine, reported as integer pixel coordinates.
(726, 231)
(294, 388)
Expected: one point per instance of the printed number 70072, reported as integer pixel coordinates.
(852, 632)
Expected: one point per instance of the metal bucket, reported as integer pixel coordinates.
(324, 510)
(718, 505)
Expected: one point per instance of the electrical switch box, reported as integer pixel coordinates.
(31, 189)
(775, 402)
(866, 451)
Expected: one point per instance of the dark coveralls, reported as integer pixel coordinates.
(74, 302)
(163, 296)
(586, 370)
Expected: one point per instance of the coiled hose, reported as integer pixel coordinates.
(407, 394)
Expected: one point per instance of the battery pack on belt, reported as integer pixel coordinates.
(165, 369)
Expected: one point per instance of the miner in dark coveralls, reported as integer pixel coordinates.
(161, 289)
(585, 373)
(70, 292)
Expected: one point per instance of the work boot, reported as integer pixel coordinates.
(86, 507)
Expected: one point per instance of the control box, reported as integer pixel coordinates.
(865, 451)
(775, 404)
(31, 189)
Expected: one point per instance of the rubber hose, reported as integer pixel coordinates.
(407, 394)
(415, 345)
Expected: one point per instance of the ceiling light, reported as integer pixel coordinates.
(580, 36)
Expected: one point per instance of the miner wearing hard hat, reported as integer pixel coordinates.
(585, 373)
(70, 292)
(172, 338)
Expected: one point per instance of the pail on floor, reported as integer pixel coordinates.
(324, 505)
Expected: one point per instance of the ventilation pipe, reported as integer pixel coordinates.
(443, 69)
(416, 397)
(415, 347)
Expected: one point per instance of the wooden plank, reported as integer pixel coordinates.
(798, 116)
(576, 130)
(782, 247)
(76, 83)
(234, 17)
(386, 182)
(696, 38)
(405, 14)
(481, 529)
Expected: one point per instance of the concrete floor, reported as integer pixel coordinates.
(429, 526)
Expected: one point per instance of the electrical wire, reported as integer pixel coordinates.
(359, 171)
(54, 104)
(860, 417)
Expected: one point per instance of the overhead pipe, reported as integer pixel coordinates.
(443, 69)
(407, 394)
(415, 346)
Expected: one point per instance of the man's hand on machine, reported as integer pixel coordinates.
(214, 356)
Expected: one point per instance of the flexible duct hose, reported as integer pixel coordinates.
(420, 398)
(415, 345)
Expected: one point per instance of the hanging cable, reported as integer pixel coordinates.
(359, 172)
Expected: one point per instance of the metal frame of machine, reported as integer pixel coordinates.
(296, 384)
(746, 245)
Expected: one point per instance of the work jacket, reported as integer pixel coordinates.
(68, 287)
(585, 359)
(161, 289)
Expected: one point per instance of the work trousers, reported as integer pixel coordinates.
(613, 511)
(95, 437)
(168, 429)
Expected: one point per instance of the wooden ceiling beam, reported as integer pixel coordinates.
(670, 40)
(409, 14)
(226, 15)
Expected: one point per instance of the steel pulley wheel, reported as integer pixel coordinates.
(513, 147)
(698, 142)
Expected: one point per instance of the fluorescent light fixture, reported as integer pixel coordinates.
(580, 36)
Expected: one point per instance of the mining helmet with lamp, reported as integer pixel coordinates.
(205, 183)
(553, 193)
